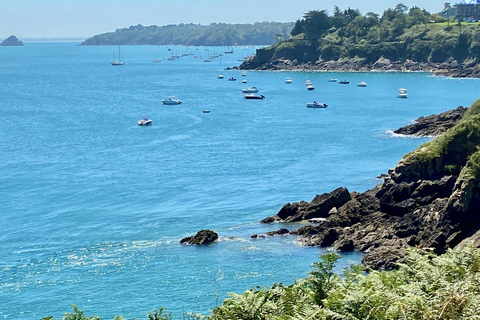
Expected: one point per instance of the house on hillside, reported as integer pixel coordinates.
(469, 10)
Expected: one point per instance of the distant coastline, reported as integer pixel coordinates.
(215, 34)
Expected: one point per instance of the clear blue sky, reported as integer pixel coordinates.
(85, 18)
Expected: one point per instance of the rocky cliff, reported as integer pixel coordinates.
(433, 125)
(11, 41)
(430, 199)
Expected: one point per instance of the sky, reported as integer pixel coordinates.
(86, 18)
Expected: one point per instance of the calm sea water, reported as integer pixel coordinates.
(92, 207)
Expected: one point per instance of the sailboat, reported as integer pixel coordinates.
(120, 59)
(156, 60)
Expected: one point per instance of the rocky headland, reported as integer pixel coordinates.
(430, 199)
(11, 42)
(433, 125)
(466, 69)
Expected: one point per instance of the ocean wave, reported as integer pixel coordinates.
(399, 135)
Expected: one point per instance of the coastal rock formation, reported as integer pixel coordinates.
(202, 237)
(467, 69)
(433, 125)
(430, 199)
(11, 41)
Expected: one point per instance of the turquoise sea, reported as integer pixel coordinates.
(92, 206)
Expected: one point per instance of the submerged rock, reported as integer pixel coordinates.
(202, 237)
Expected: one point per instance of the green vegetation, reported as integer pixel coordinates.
(425, 286)
(456, 148)
(221, 34)
(400, 34)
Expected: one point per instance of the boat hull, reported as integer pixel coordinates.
(168, 102)
(254, 97)
(316, 105)
(145, 122)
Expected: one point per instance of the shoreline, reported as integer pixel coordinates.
(453, 69)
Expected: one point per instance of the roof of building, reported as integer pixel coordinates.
(469, 2)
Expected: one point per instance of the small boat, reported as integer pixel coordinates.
(220, 76)
(402, 93)
(362, 84)
(207, 60)
(308, 82)
(250, 90)
(244, 74)
(206, 111)
(232, 79)
(288, 80)
(244, 81)
(316, 104)
(310, 87)
(156, 60)
(332, 80)
(170, 100)
(344, 82)
(120, 61)
(254, 96)
(144, 122)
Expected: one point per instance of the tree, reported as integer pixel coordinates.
(316, 24)
(446, 7)
(298, 28)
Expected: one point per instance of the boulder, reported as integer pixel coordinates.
(202, 237)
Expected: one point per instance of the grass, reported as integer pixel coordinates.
(454, 139)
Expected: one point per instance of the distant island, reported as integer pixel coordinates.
(402, 39)
(11, 42)
(215, 34)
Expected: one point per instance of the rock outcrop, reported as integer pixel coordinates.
(433, 125)
(467, 69)
(11, 41)
(430, 199)
(202, 237)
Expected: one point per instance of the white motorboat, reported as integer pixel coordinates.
(144, 122)
(362, 84)
(244, 81)
(288, 80)
(250, 90)
(316, 104)
(310, 87)
(220, 76)
(170, 100)
(254, 96)
(308, 82)
(244, 74)
(332, 80)
(402, 93)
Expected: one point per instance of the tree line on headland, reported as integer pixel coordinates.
(400, 35)
(215, 34)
